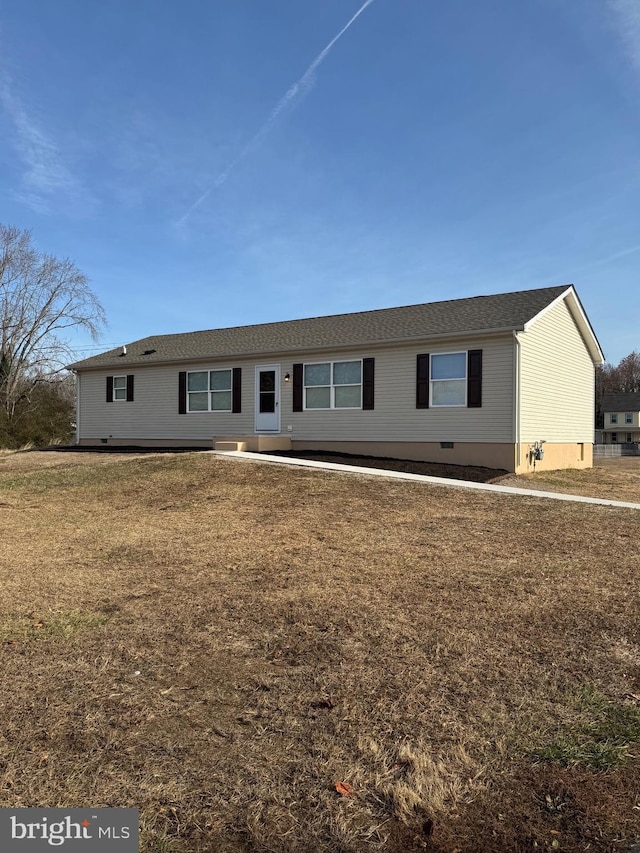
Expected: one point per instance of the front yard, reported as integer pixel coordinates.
(220, 643)
(615, 479)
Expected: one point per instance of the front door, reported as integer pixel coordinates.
(268, 398)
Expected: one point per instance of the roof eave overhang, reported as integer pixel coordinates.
(122, 364)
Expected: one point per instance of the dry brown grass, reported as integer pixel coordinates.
(219, 643)
(614, 479)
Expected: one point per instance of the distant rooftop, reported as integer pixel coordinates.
(621, 402)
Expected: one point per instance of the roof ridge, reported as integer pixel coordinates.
(445, 318)
(558, 289)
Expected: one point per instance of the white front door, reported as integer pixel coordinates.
(268, 398)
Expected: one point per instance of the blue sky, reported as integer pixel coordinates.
(211, 164)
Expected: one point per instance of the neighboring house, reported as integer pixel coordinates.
(621, 414)
(477, 381)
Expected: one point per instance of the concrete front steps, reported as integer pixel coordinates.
(251, 443)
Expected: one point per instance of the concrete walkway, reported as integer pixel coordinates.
(421, 478)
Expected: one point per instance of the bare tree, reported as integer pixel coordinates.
(629, 373)
(43, 416)
(622, 378)
(41, 299)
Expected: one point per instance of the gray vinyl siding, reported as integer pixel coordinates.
(154, 412)
(395, 417)
(557, 380)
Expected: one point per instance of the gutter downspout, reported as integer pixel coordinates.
(77, 408)
(516, 397)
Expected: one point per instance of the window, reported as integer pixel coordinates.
(333, 385)
(613, 419)
(628, 438)
(119, 388)
(449, 379)
(614, 438)
(628, 418)
(209, 391)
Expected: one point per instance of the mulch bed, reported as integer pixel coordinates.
(472, 473)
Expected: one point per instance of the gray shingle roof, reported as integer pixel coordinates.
(504, 311)
(621, 402)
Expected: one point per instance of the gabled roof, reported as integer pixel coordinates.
(502, 312)
(621, 402)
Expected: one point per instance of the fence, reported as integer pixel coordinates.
(608, 451)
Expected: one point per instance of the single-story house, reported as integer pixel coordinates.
(621, 418)
(503, 381)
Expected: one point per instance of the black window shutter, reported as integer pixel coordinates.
(109, 389)
(474, 378)
(182, 392)
(422, 381)
(236, 394)
(368, 382)
(130, 388)
(297, 387)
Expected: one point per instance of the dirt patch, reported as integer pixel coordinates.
(221, 644)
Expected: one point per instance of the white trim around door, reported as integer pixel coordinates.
(267, 398)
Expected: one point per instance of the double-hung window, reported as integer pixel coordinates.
(449, 379)
(209, 391)
(628, 418)
(613, 418)
(333, 385)
(119, 388)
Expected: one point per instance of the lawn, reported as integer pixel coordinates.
(613, 479)
(288, 660)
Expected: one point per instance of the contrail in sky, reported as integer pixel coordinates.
(298, 91)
